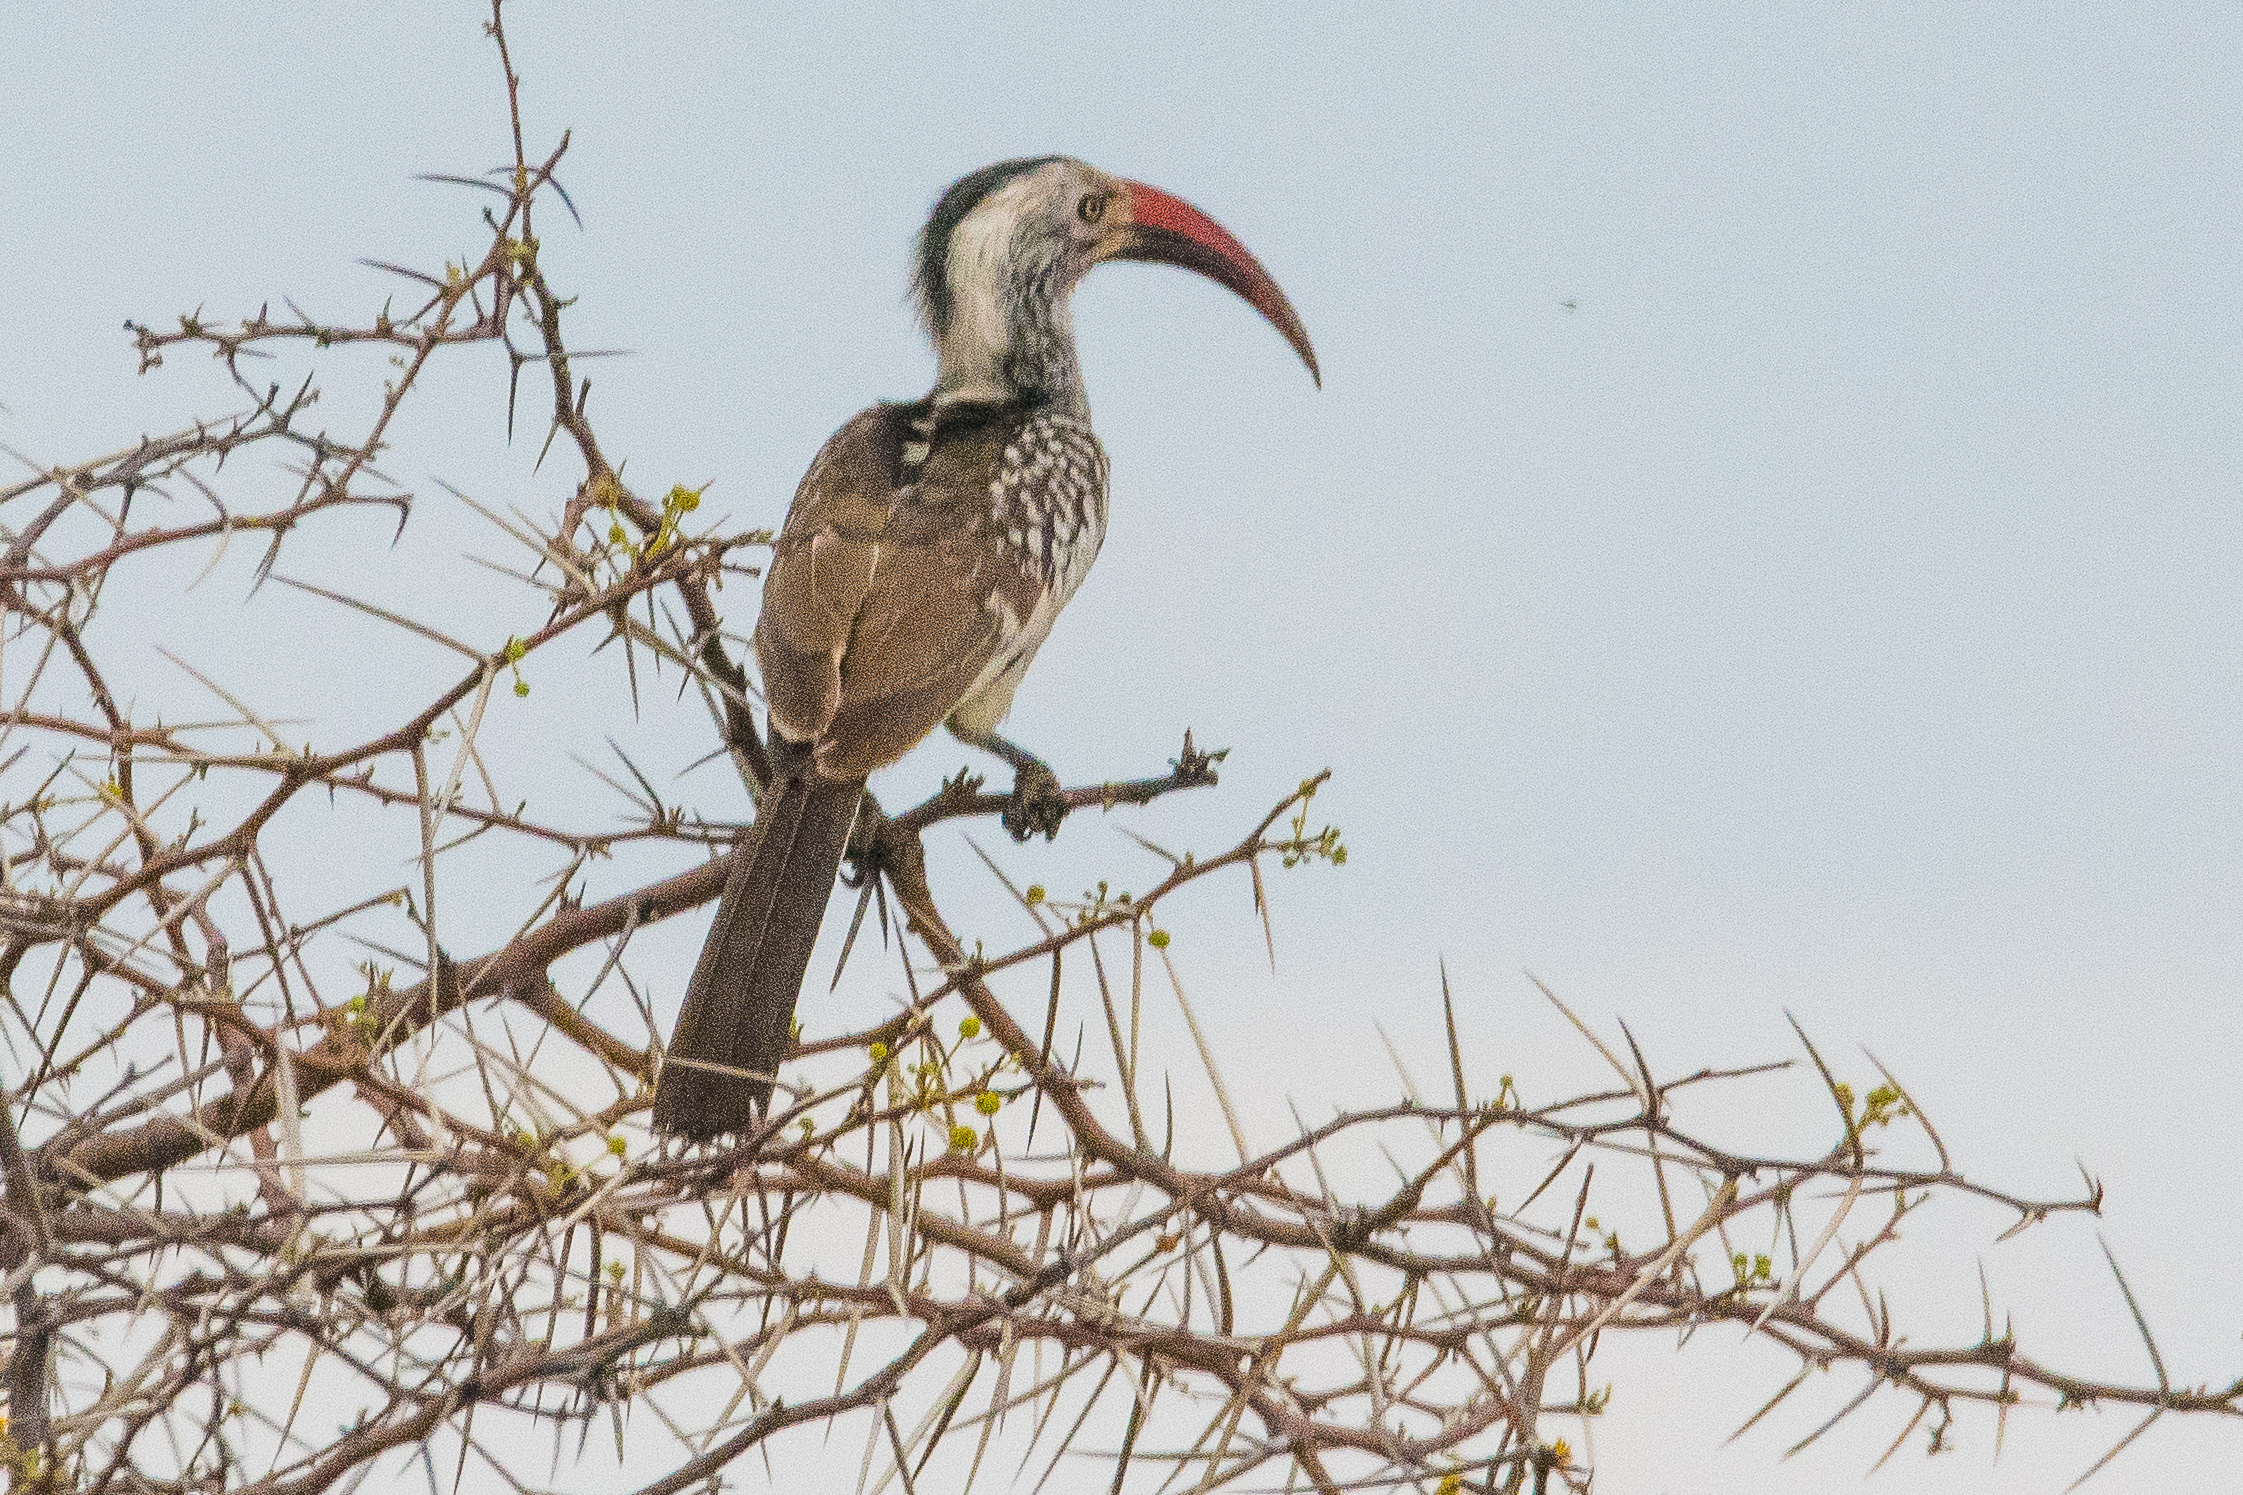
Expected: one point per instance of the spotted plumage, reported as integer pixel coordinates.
(1048, 499)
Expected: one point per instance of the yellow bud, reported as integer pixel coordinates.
(987, 1103)
(878, 1051)
(969, 1026)
(1158, 939)
(964, 1138)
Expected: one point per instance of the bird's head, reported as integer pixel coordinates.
(1005, 246)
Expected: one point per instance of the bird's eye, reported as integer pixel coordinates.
(1091, 208)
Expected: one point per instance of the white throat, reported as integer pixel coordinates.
(976, 349)
(973, 345)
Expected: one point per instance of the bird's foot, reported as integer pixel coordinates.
(1038, 803)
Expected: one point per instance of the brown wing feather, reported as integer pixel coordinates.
(879, 611)
(821, 568)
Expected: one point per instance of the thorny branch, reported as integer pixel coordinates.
(234, 1194)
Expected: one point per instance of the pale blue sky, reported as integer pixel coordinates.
(1838, 607)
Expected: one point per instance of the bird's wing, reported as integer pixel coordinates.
(821, 568)
(884, 601)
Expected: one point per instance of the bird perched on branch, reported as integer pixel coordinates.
(926, 554)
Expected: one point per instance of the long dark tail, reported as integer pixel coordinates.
(739, 1009)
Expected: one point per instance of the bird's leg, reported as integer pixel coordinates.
(1037, 803)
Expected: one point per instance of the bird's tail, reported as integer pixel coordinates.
(739, 1008)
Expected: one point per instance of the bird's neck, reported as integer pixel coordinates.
(1011, 344)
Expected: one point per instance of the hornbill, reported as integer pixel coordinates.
(927, 551)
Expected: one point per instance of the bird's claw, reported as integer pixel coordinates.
(1037, 804)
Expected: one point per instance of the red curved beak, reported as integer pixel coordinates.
(1167, 230)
